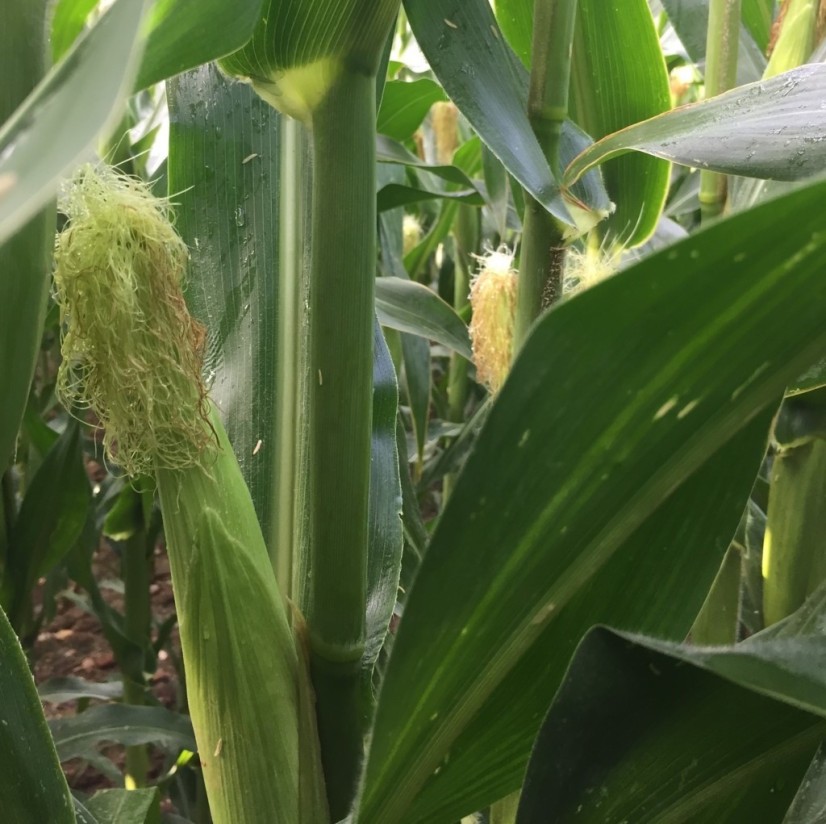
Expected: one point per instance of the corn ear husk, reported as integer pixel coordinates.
(246, 686)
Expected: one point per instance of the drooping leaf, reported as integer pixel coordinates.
(405, 105)
(467, 52)
(642, 733)
(408, 306)
(602, 441)
(771, 129)
(184, 34)
(123, 724)
(60, 690)
(76, 100)
(32, 786)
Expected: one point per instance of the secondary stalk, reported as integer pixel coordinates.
(721, 75)
(340, 412)
(542, 257)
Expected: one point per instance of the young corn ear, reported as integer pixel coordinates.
(493, 298)
(132, 354)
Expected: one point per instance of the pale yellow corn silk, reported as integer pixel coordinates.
(131, 351)
(587, 267)
(493, 298)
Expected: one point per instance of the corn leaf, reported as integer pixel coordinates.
(603, 442)
(224, 160)
(408, 306)
(184, 34)
(646, 732)
(485, 79)
(76, 735)
(77, 100)
(610, 92)
(135, 806)
(769, 129)
(405, 105)
(25, 259)
(32, 786)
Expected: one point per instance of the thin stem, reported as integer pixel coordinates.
(137, 575)
(466, 234)
(553, 36)
(721, 75)
(542, 253)
(340, 417)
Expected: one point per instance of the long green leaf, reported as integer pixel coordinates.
(184, 34)
(51, 518)
(579, 451)
(224, 173)
(405, 105)
(32, 786)
(770, 129)
(68, 21)
(468, 54)
(76, 100)
(25, 259)
(635, 734)
(610, 92)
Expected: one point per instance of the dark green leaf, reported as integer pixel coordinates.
(32, 787)
(388, 151)
(52, 515)
(392, 196)
(184, 34)
(468, 54)
(411, 307)
(592, 433)
(386, 540)
(76, 100)
(635, 734)
(25, 258)
(809, 805)
(770, 129)
(122, 724)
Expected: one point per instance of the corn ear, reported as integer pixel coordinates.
(245, 683)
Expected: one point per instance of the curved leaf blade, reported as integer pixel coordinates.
(184, 34)
(409, 306)
(76, 100)
(773, 129)
(602, 442)
(610, 92)
(635, 734)
(32, 784)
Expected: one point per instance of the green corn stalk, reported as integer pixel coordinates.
(794, 546)
(543, 249)
(318, 62)
(721, 75)
(131, 352)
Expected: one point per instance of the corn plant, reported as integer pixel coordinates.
(482, 391)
